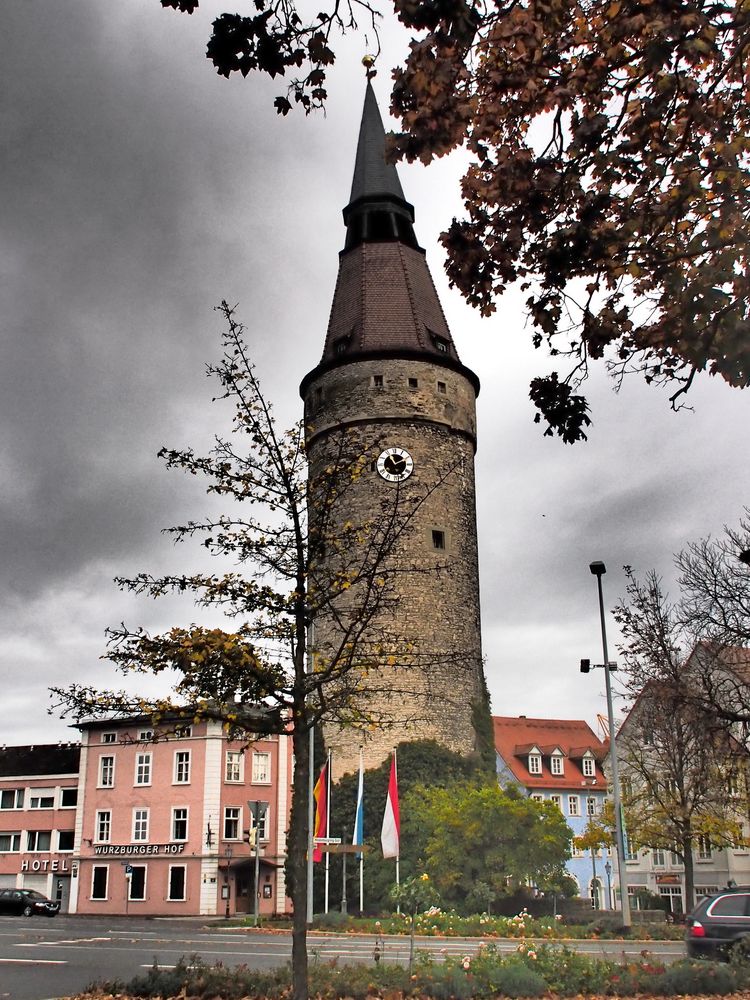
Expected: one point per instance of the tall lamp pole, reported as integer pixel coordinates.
(598, 569)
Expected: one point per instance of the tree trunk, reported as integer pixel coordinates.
(687, 853)
(298, 846)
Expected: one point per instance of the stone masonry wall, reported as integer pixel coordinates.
(437, 611)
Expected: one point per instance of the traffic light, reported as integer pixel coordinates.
(585, 666)
(249, 836)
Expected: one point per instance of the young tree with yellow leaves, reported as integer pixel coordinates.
(296, 559)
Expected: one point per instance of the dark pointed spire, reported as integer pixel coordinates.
(377, 209)
(385, 305)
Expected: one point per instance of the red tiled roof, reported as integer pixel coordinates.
(515, 735)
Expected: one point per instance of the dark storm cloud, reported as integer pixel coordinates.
(138, 190)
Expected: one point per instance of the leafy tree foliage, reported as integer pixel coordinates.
(677, 777)
(609, 148)
(483, 833)
(699, 641)
(253, 674)
(421, 763)
(684, 755)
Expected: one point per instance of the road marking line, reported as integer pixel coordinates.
(37, 944)
(32, 961)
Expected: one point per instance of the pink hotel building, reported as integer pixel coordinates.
(158, 827)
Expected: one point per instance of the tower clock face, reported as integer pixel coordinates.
(395, 464)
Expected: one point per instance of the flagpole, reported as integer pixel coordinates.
(328, 826)
(398, 856)
(310, 788)
(362, 837)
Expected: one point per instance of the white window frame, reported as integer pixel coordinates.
(536, 797)
(145, 735)
(234, 766)
(143, 767)
(588, 766)
(659, 857)
(34, 847)
(233, 819)
(109, 738)
(141, 820)
(175, 818)
(18, 796)
(103, 826)
(556, 764)
(183, 732)
(65, 850)
(591, 809)
(108, 773)
(94, 869)
(183, 897)
(144, 897)
(14, 842)
(535, 763)
(36, 794)
(68, 788)
(556, 800)
(182, 767)
(574, 805)
(259, 757)
(705, 848)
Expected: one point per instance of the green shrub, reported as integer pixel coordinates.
(331, 921)
(690, 976)
(518, 980)
(606, 925)
(739, 953)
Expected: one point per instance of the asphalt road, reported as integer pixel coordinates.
(43, 958)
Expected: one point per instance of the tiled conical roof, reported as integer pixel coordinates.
(385, 303)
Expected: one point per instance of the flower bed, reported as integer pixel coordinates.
(532, 971)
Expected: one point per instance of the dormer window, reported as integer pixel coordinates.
(535, 763)
(340, 346)
(589, 767)
(439, 343)
(556, 764)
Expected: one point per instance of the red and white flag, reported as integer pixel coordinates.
(389, 835)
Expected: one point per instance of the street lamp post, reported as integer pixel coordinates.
(608, 870)
(598, 569)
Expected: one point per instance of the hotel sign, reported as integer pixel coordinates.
(110, 850)
(45, 865)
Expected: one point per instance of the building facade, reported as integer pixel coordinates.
(682, 778)
(38, 806)
(133, 822)
(391, 378)
(560, 761)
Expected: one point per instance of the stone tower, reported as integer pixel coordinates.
(391, 375)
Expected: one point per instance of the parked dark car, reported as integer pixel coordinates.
(27, 903)
(718, 922)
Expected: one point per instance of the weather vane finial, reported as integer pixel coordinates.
(368, 62)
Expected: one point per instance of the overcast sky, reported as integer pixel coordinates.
(138, 190)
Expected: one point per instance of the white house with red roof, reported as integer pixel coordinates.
(560, 761)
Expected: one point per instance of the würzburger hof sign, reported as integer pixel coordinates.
(110, 849)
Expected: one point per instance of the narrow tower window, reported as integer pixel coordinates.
(441, 387)
(413, 383)
(438, 539)
(377, 381)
